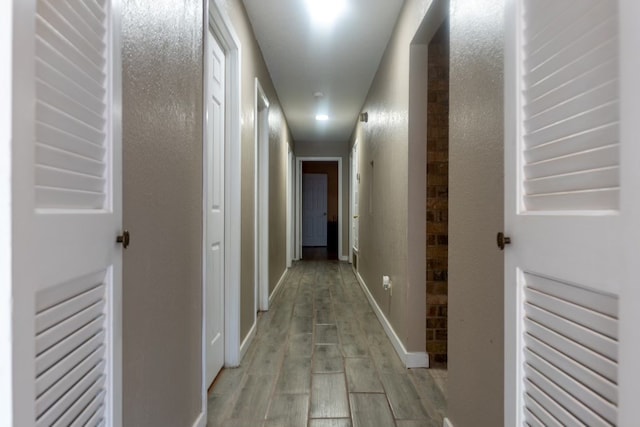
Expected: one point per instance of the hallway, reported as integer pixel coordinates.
(321, 358)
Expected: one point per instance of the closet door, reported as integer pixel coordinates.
(67, 213)
(567, 209)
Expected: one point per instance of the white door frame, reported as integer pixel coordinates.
(630, 203)
(6, 49)
(290, 214)
(261, 199)
(220, 23)
(351, 199)
(299, 161)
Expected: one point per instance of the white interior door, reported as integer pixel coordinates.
(314, 209)
(355, 196)
(67, 210)
(214, 202)
(564, 267)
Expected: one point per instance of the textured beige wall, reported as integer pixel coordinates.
(475, 387)
(332, 149)
(253, 66)
(384, 187)
(162, 172)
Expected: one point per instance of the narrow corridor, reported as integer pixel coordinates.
(321, 358)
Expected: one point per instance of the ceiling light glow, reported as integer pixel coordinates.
(322, 117)
(326, 11)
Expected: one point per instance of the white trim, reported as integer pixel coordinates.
(513, 367)
(201, 421)
(261, 198)
(629, 350)
(299, 161)
(246, 343)
(350, 244)
(221, 26)
(6, 376)
(298, 214)
(223, 29)
(344, 258)
(114, 400)
(410, 359)
(290, 187)
(278, 286)
(446, 423)
(352, 178)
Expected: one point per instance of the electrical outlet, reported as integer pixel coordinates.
(386, 283)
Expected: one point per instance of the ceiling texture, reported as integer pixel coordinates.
(306, 55)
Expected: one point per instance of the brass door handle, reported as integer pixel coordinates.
(503, 240)
(124, 238)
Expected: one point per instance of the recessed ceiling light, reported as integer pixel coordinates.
(326, 11)
(322, 117)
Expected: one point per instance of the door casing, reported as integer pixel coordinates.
(261, 200)
(222, 28)
(298, 203)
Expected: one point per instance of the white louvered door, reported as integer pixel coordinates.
(67, 213)
(564, 268)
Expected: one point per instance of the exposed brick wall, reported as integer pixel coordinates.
(437, 195)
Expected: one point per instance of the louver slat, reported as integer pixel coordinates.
(51, 356)
(535, 414)
(581, 412)
(71, 109)
(582, 316)
(557, 411)
(586, 337)
(95, 408)
(71, 345)
(47, 399)
(554, 32)
(584, 375)
(570, 352)
(570, 106)
(66, 364)
(79, 404)
(573, 388)
(57, 333)
(91, 384)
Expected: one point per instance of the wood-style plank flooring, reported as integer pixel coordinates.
(320, 358)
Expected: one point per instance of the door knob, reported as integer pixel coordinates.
(124, 238)
(503, 240)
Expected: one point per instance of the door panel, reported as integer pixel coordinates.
(214, 244)
(314, 201)
(562, 180)
(67, 196)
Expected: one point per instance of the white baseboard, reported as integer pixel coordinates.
(246, 343)
(344, 258)
(447, 423)
(410, 359)
(278, 286)
(201, 421)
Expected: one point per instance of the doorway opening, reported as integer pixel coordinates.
(320, 210)
(437, 195)
(261, 202)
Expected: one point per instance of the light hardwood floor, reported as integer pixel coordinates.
(320, 358)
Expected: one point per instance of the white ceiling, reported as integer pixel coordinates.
(339, 60)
